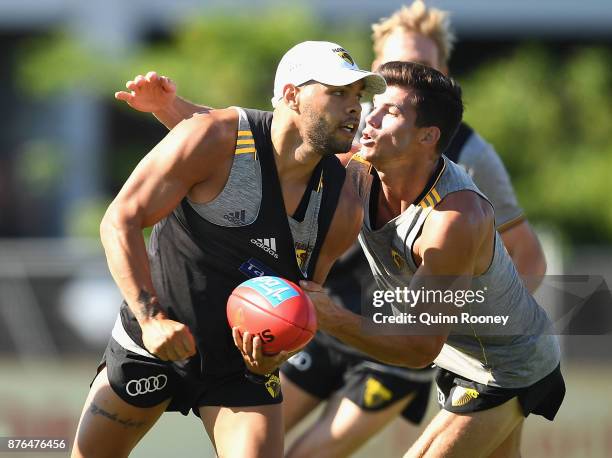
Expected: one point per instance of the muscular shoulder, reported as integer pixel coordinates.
(203, 145)
(212, 129)
(456, 229)
(462, 212)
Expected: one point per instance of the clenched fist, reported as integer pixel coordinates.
(167, 339)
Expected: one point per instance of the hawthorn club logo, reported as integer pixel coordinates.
(273, 385)
(397, 259)
(461, 396)
(344, 55)
(375, 393)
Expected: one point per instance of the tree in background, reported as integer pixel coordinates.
(220, 58)
(548, 117)
(546, 114)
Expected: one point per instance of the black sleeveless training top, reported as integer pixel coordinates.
(195, 264)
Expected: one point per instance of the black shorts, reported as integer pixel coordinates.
(321, 370)
(458, 394)
(145, 382)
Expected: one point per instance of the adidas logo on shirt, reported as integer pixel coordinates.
(238, 217)
(268, 245)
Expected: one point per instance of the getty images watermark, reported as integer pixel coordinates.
(406, 298)
(564, 305)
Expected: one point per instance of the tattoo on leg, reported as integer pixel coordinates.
(129, 423)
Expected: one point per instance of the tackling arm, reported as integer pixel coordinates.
(453, 245)
(157, 95)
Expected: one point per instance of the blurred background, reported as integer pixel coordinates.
(537, 81)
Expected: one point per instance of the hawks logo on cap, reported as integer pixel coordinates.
(344, 55)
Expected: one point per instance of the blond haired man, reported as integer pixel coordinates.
(420, 34)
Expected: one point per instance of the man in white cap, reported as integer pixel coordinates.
(232, 194)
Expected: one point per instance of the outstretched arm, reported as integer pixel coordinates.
(450, 250)
(188, 155)
(157, 95)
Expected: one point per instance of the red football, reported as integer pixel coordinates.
(276, 310)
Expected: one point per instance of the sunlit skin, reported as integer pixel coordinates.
(403, 154)
(314, 120)
(390, 128)
(330, 115)
(410, 47)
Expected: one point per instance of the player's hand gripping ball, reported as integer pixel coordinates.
(276, 310)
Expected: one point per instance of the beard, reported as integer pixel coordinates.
(320, 135)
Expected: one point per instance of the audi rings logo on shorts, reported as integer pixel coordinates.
(136, 387)
(301, 361)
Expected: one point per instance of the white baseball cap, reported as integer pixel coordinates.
(323, 62)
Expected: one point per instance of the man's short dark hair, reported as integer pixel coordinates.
(436, 100)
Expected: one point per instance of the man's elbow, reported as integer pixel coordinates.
(115, 221)
(425, 351)
(540, 265)
(532, 264)
(533, 276)
(525, 250)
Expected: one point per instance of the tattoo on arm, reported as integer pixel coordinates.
(148, 306)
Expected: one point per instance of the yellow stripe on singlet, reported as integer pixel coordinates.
(433, 191)
(358, 158)
(245, 150)
(320, 186)
(246, 144)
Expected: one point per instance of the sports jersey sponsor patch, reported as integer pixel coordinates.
(255, 268)
(136, 387)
